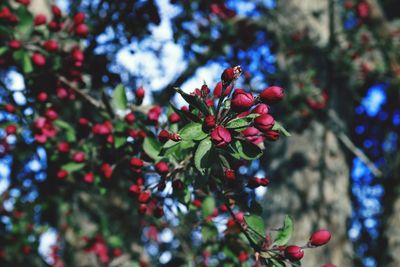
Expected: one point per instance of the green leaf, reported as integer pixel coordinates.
(256, 223)
(244, 149)
(285, 233)
(73, 166)
(115, 241)
(201, 156)
(208, 206)
(276, 263)
(23, 58)
(25, 25)
(3, 50)
(241, 123)
(195, 101)
(152, 148)
(279, 128)
(119, 100)
(120, 141)
(70, 133)
(192, 131)
(209, 232)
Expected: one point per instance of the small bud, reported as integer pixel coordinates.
(82, 30)
(177, 185)
(175, 137)
(135, 189)
(144, 197)
(89, 177)
(56, 11)
(11, 129)
(14, 44)
(218, 90)
(139, 93)
(230, 74)
(294, 253)
(63, 147)
(205, 90)
(174, 118)
(78, 157)
(230, 174)
(42, 97)
(221, 137)
(264, 122)
(162, 168)
(209, 122)
(40, 20)
(272, 135)
(260, 109)
(136, 163)
(241, 100)
(38, 59)
(163, 136)
(253, 135)
(50, 45)
(130, 117)
(320, 237)
(61, 174)
(272, 94)
(79, 18)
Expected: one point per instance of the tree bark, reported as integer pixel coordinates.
(310, 177)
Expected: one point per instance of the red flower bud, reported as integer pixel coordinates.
(144, 197)
(205, 90)
(54, 26)
(83, 121)
(39, 19)
(11, 129)
(139, 93)
(221, 137)
(174, 118)
(230, 74)
(9, 108)
(14, 44)
(241, 100)
(272, 135)
(253, 135)
(61, 174)
(320, 237)
(79, 18)
(107, 170)
(78, 157)
(50, 45)
(42, 97)
(38, 59)
(177, 185)
(130, 117)
(158, 212)
(56, 11)
(163, 136)
(89, 177)
(51, 114)
(294, 253)
(136, 163)
(77, 55)
(175, 137)
(264, 122)
(135, 189)
(197, 203)
(260, 109)
(243, 256)
(256, 182)
(218, 90)
(272, 94)
(230, 174)
(363, 9)
(162, 168)
(82, 30)
(153, 114)
(142, 209)
(209, 122)
(63, 147)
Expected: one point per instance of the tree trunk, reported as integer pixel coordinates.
(310, 181)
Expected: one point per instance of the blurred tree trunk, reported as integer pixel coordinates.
(310, 181)
(310, 172)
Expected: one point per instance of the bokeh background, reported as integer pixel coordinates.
(336, 59)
